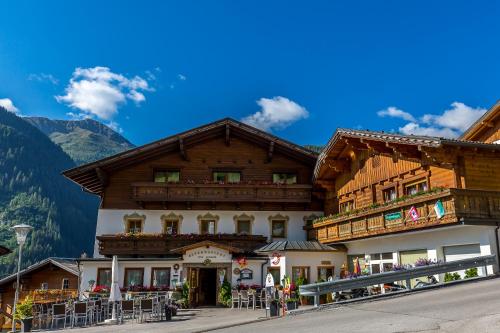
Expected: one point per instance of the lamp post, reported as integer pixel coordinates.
(22, 231)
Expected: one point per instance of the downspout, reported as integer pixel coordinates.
(262, 270)
(79, 278)
(498, 245)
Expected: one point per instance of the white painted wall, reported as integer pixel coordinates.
(433, 240)
(110, 221)
(313, 261)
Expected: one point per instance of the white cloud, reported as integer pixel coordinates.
(8, 105)
(98, 92)
(115, 126)
(42, 77)
(181, 77)
(460, 117)
(392, 111)
(276, 113)
(450, 124)
(416, 129)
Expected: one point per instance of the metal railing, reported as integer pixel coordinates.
(317, 289)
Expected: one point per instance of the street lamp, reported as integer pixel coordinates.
(22, 231)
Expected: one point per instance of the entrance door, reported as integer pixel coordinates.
(193, 287)
(207, 286)
(459, 252)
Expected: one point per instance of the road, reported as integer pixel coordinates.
(467, 307)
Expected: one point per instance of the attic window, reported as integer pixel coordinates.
(284, 178)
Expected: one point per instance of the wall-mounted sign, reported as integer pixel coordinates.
(246, 274)
(236, 271)
(275, 259)
(393, 216)
(201, 254)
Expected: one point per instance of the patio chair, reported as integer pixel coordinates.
(59, 312)
(235, 299)
(244, 298)
(127, 308)
(81, 311)
(145, 307)
(260, 298)
(97, 311)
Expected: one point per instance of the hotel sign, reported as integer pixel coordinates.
(393, 216)
(207, 254)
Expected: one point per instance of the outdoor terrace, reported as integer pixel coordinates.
(162, 244)
(221, 192)
(460, 206)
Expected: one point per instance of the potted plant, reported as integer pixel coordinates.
(274, 308)
(292, 304)
(300, 281)
(24, 313)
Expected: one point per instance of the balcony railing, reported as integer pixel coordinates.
(164, 192)
(460, 205)
(162, 244)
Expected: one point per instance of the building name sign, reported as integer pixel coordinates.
(210, 254)
(393, 216)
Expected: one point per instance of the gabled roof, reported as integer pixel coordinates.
(67, 264)
(337, 143)
(300, 246)
(206, 243)
(482, 124)
(4, 250)
(92, 176)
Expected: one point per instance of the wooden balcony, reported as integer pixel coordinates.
(461, 206)
(179, 192)
(162, 244)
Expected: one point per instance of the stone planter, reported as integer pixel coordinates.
(26, 324)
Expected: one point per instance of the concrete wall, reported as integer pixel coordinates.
(433, 240)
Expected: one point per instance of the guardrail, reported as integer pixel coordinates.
(317, 289)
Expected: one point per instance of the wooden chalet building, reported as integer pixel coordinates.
(486, 128)
(196, 207)
(392, 199)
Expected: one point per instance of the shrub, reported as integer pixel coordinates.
(451, 277)
(470, 273)
(225, 293)
(24, 309)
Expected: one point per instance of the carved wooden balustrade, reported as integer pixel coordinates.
(181, 192)
(460, 206)
(162, 244)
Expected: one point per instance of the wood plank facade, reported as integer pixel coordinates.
(368, 175)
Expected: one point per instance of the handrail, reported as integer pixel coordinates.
(317, 289)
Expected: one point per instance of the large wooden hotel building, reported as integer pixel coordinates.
(228, 201)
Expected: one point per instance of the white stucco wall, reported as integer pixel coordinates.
(433, 240)
(110, 221)
(313, 261)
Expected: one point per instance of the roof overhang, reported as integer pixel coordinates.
(41, 264)
(93, 177)
(482, 124)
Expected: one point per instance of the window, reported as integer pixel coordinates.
(227, 177)
(278, 229)
(284, 178)
(346, 206)
(324, 272)
(104, 277)
(300, 272)
(160, 277)
(243, 227)
(171, 227)
(275, 272)
(65, 284)
(390, 194)
(416, 187)
(44, 286)
(134, 226)
(207, 227)
(133, 277)
(167, 176)
(381, 262)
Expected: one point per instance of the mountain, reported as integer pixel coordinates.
(32, 191)
(83, 140)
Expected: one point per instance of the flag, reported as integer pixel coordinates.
(414, 214)
(439, 209)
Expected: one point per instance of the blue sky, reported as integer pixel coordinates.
(297, 69)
